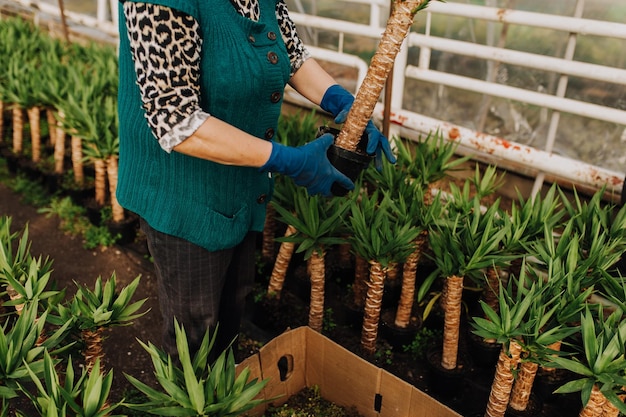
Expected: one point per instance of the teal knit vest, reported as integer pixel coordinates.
(244, 69)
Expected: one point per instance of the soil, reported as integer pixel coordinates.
(73, 263)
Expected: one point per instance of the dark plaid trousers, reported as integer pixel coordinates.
(201, 288)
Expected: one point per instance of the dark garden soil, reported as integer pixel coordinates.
(74, 263)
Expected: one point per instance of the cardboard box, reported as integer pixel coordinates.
(302, 358)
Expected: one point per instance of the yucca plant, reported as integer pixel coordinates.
(552, 310)
(318, 225)
(601, 362)
(398, 25)
(30, 285)
(563, 256)
(285, 191)
(411, 208)
(24, 277)
(601, 228)
(21, 346)
(530, 220)
(377, 236)
(463, 247)
(86, 109)
(19, 84)
(196, 387)
(508, 326)
(95, 310)
(86, 395)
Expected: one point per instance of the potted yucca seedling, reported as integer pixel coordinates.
(377, 236)
(347, 153)
(600, 364)
(317, 223)
(195, 386)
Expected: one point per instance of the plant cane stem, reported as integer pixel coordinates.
(452, 321)
(34, 118)
(76, 145)
(316, 308)
(269, 231)
(59, 146)
(503, 380)
(279, 272)
(100, 181)
(112, 173)
(593, 408)
(407, 295)
(18, 129)
(520, 396)
(93, 347)
(52, 126)
(397, 29)
(609, 409)
(373, 305)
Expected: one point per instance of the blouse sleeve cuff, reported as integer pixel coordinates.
(183, 130)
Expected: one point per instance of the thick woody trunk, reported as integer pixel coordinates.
(316, 308)
(52, 126)
(34, 119)
(269, 232)
(59, 147)
(279, 272)
(452, 321)
(396, 30)
(18, 129)
(361, 276)
(407, 294)
(77, 160)
(596, 402)
(112, 172)
(93, 347)
(609, 410)
(373, 304)
(100, 181)
(503, 380)
(520, 396)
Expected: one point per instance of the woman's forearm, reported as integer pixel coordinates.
(312, 81)
(223, 143)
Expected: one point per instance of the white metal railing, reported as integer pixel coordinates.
(518, 157)
(528, 160)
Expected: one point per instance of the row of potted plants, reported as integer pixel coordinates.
(69, 138)
(51, 356)
(545, 268)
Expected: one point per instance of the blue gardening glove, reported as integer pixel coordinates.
(308, 165)
(338, 101)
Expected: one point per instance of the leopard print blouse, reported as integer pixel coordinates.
(168, 72)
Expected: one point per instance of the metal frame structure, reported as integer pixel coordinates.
(539, 163)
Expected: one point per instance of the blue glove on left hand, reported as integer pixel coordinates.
(338, 101)
(308, 165)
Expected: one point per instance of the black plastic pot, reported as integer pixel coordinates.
(126, 230)
(483, 354)
(445, 383)
(350, 163)
(398, 337)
